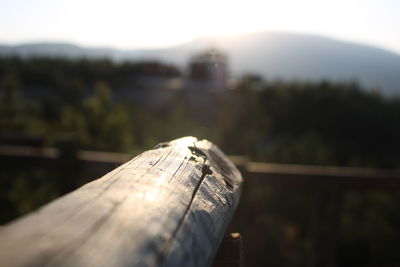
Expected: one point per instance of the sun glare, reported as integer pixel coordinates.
(152, 23)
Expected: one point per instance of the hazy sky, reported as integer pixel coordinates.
(151, 23)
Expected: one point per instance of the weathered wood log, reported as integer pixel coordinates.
(168, 206)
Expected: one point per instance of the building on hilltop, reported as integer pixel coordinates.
(208, 71)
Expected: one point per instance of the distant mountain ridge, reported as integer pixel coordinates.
(270, 54)
(55, 50)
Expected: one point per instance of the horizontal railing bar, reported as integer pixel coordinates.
(291, 171)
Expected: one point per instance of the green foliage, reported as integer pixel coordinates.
(100, 124)
(11, 103)
(319, 123)
(369, 229)
(20, 194)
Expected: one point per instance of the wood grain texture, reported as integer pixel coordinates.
(168, 206)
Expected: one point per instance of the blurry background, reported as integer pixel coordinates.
(86, 85)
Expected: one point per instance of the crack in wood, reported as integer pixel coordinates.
(164, 253)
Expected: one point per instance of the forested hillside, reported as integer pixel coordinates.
(314, 122)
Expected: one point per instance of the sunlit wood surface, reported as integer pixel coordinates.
(168, 206)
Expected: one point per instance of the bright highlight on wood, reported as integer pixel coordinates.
(168, 206)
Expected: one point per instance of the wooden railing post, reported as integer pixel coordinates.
(168, 206)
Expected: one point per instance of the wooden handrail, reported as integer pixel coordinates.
(168, 206)
(266, 173)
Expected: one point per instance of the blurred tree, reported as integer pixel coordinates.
(12, 105)
(100, 123)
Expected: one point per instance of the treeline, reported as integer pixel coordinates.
(68, 80)
(312, 123)
(301, 122)
(58, 73)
